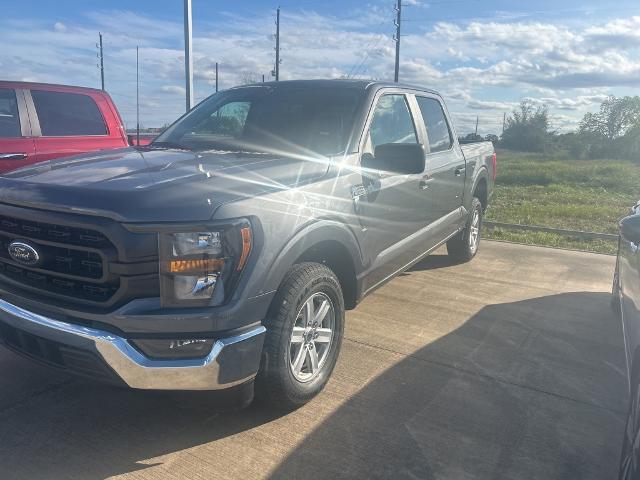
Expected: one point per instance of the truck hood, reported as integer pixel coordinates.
(153, 185)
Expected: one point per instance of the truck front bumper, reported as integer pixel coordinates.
(103, 355)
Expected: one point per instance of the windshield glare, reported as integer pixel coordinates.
(298, 121)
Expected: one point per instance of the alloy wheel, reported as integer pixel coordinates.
(311, 337)
(474, 231)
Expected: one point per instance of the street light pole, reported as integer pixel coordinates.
(188, 57)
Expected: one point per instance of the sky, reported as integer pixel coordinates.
(484, 56)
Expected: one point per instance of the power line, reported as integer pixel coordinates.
(353, 71)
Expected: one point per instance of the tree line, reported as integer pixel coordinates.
(612, 132)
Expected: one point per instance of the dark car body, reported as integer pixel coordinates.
(366, 225)
(626, 302)
(40, 121)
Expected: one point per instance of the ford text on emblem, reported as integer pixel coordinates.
(23, 253)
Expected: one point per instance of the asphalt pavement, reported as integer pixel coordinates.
(509, 367)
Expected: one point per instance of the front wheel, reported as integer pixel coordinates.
(464, 246)
(304, 334)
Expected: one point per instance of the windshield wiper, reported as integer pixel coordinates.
(174, 145)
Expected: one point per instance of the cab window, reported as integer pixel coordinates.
(438, 131)
(64, 114)
(392, 123)
(9, 118)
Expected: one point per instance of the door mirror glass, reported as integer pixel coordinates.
(630, 228)
(405, 158)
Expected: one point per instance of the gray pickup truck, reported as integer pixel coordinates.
(226, 252)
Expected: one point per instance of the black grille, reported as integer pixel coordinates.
(53, 233)
(62, 286)
(73, 359)
(68, 261)
(73, 260)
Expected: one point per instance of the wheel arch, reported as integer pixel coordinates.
(481, 187)
(327, 242)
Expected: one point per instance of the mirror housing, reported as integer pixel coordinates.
(404, 158)
(630, 228)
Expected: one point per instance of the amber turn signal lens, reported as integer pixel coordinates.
(245, 232)
(200, 265)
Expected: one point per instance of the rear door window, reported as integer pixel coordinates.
(436, 124)
(9, 117)
(64, 114)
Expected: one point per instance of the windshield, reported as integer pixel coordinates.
(299, 121)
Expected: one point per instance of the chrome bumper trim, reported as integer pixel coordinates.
(135, 369)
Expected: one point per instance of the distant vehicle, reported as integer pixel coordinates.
(229, 248)
(626, 302)
(41, 121)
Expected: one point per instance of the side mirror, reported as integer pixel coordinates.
(406, 158)
(630, 228)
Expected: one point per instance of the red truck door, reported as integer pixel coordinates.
(72, 123)
(17, 147)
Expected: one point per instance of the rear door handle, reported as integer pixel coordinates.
(424, 183)
(13, 156)
(458, 171)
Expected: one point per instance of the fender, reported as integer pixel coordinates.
(480, 173)
(305, 238)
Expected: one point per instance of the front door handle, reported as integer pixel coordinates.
(13, 156)
(424, 183)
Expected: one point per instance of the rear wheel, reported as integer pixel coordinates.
(464, 246)
(304, 335)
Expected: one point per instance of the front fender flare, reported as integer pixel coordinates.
(304, 239)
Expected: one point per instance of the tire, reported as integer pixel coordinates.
(615, 292)
(464, 246)
(289, 376)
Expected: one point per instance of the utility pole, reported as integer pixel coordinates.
(216, 76)
(100, 55)
(504, 121)
(263, 78)
(188, 58)
(277, 69)
(477, 120)
(397, 39)
(137, 99)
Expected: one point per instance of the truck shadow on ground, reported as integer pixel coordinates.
(530, 389)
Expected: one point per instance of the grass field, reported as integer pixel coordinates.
(588, 195)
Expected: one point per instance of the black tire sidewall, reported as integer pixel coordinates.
(312, 387)
(458, 247)
(283, 389)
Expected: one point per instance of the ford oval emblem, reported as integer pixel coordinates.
(23, 253)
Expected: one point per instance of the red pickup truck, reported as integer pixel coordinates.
(41, 121)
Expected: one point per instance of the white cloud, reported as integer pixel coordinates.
(485, 67)
(489, 105)
(173, 89)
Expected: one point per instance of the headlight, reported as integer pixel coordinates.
(201, 268)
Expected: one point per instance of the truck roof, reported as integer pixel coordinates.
(45, 86)
(334, 82)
